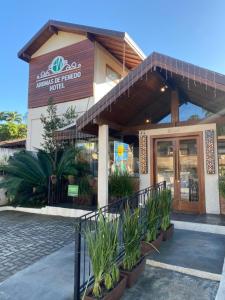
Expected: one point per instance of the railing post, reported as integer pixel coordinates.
(164, 184)
(77, 260)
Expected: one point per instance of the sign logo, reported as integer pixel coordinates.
(57, 64)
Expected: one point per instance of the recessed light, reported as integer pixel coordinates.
(163, 88)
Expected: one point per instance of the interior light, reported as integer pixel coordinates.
(147, 121)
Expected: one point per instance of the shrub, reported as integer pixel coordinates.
(27, 174)
(152, 218)
(222, 187)
(120, 184)
(103, 249)
(132, 234)
(165, 208)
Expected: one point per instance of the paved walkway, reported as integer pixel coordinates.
(25, 238)
(196, 250)
(52, 276)
(160, 284)
(26, 241)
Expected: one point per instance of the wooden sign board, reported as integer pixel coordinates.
(65, 74)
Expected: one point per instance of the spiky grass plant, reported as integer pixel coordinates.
(132, 234)
(165, 208)
(152, 218)
(103, 249)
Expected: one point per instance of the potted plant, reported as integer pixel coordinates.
(165, 208)
(153, 236)
(120, 185)
(85, 192)
(71, 179)
(102, 246)
(133, 263)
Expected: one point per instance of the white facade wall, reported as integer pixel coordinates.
(102, 59)
(100, 86)
(211, 181)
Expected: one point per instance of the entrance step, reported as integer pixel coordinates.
(187, 271)
(201, 227)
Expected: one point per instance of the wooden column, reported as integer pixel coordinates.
(174, 107)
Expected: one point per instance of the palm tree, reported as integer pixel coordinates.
(3, 116)
(13, 116)
(27, 174)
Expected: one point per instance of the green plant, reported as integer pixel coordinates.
(222, 187)
(103, 249)
(152, 218)
(85, 188)
(132, 233)
(51, 122)
(11, 126)
(120, 184)
(165, 208)
(27, 175)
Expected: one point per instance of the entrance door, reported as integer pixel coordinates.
(178, 161)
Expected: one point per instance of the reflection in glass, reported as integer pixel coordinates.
(165, 163)
(188, 164)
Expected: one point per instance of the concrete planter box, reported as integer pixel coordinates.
(132, 276)
(167, 235)
(115, 293)
(147, 248)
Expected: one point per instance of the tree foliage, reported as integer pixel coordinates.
(11, 126)
(52, 122)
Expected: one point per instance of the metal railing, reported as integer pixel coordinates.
(83, 277)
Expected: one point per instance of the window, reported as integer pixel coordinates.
(111, 75)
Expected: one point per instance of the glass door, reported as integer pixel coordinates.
(165, 162)
(177, 161)
(188, 174)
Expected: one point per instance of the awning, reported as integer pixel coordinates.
(139, 95)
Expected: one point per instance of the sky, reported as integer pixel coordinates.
(192, 30)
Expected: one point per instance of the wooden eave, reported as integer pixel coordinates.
(117, 43)
(138, 95)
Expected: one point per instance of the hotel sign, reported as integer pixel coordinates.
(65, 75)
(56, 76)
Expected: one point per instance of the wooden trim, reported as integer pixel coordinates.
(174, 107)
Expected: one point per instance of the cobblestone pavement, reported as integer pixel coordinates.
(25, 238)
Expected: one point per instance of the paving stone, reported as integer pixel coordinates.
(25, 238)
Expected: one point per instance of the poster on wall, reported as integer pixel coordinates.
(120, 156)
(65, 74)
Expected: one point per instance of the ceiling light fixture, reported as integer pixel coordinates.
(163, 88)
